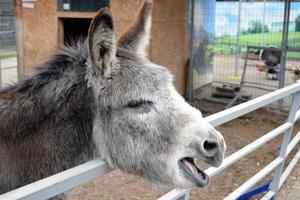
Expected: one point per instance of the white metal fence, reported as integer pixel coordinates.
(76, 176)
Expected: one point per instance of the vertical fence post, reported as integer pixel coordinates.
(191, 52)
(187, 195)
(286, 139)
(283, 48)
(237, 50)
(284, 43)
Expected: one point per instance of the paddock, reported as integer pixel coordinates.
(250, 128)
(221, 32)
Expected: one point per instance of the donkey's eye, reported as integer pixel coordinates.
(139, 103)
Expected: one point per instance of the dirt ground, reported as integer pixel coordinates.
(224, 71)
(120, 186)
(224, 68)
(291, 188)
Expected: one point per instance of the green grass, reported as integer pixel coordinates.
(7, 51)
(227, 44)
(7, 47)
(5, 56)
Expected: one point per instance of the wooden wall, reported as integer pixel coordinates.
(38, 31)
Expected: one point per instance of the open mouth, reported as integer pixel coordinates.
(192, 172)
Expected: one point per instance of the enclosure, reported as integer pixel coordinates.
(213, 48)
(227, 39)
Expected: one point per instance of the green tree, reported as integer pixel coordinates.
(297, 23)
(244, 32)
(256, 26)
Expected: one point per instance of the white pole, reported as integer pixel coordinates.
(237, 53)
(262, 36)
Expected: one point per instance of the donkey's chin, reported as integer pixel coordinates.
(192, 172)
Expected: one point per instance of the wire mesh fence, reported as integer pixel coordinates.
(8, 53)
(223, 31)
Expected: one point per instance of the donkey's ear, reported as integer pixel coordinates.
(102, 42)
(137, 38)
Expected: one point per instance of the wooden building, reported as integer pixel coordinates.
(43, 25)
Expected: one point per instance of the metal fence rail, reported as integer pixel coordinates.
(76, 176)
(60, 182)
(286, 147)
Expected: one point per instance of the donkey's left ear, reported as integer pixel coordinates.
(102, 42)
(137, 38)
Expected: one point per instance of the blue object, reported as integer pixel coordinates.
(262, 188)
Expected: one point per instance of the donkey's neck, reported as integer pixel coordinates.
(51, 101)
(46, 121)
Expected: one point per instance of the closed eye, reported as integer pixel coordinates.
(139, 103)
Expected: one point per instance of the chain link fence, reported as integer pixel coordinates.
(228, 38)
(8, 53)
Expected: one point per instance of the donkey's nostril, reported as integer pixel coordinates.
(209, 146)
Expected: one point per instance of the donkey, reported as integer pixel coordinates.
(104, 98)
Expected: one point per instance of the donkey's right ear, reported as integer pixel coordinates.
(102, 42)
(137, 37)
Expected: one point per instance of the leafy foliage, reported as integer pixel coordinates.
(256, 26)
(297, 23)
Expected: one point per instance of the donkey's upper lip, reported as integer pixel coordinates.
(191, 171)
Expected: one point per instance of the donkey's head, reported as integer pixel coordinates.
(142, 125)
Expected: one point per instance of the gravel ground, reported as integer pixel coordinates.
(291, 188)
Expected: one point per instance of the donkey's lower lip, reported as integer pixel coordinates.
(192, 172)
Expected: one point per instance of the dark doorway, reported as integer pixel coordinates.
(82, 5)
(75, 28)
